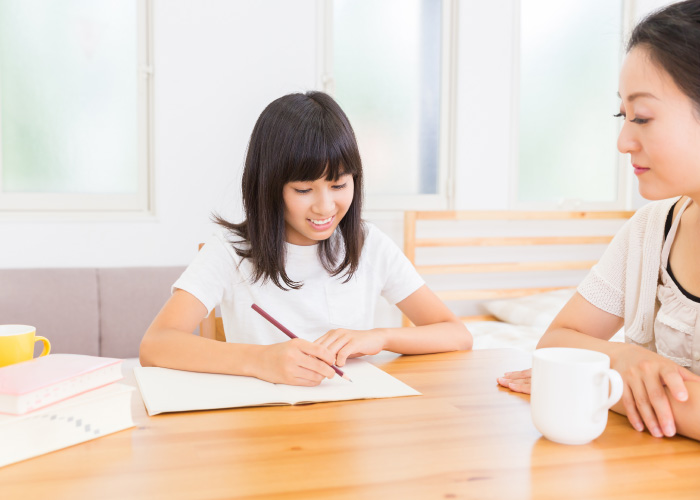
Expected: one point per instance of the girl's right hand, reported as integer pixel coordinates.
(295, 362)
(517, 381)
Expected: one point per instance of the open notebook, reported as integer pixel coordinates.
(165, 390)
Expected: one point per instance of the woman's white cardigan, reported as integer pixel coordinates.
(625, 279)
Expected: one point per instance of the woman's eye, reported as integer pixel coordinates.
(619, 115)
(340, 186)
(302, 191)
(639, 121)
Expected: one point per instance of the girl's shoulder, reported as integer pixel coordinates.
(223, 243)
(377, 242)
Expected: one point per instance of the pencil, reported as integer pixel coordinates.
(289, 334)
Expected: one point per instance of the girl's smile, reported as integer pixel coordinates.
(322, 225)
(313, 209)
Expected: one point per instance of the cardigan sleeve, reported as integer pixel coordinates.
(604, 286)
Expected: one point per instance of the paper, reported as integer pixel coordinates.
(165, 390)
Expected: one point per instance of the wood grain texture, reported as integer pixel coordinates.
(463, 438)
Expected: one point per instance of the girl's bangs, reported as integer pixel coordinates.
(328, 154)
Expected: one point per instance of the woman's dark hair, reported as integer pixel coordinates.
(298, 137)
(672, 37)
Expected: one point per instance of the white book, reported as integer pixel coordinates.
(165, 390)
(88, 416)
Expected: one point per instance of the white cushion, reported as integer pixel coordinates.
(536, 310)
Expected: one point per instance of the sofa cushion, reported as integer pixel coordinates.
(60, 303)
(129, 300)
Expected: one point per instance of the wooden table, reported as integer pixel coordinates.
(464, 438)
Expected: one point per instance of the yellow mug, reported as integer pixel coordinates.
(17, 344)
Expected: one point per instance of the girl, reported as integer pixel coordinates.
(304, 255)
(649, 277)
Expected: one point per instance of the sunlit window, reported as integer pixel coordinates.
(72, 104)
(387, 77)
(570, 56)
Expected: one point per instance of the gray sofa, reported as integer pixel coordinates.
(102, 312)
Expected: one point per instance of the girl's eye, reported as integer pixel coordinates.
(302, 191)
(619, 115)
(340, 186)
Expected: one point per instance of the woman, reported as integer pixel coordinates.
(649, 277)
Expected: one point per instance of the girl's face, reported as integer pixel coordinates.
(313, 209)
(661, 131)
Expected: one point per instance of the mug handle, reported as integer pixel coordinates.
(47, 344)
(616, 387)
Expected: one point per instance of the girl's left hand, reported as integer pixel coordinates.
(346, 344)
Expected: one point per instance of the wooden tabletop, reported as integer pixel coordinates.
(463, 438)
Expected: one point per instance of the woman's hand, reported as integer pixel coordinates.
(295, 362)
(644, 398)
(344, 344)
(517, 381)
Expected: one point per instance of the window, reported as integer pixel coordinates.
(74, 94)
(388, 65)
(570, 55)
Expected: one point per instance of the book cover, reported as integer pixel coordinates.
(164, 390)
(91, 415)
(40, 382)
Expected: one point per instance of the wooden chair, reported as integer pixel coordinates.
(212, 327)
(411, 242)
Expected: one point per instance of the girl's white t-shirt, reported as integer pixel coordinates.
(218, 276)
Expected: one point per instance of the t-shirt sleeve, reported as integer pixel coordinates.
(605, 283)
(400, 279)
(211, 274)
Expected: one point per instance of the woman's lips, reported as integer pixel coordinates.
(639, 170)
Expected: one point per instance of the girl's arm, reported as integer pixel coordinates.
(169, 343)
(437, 330)
(648, 377)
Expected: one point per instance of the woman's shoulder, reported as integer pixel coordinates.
(651, 217)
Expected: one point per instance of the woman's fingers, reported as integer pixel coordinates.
(642, 400)
(631, 409)
(674, 381)
(660, 403)
(522, 386)
(519, 374)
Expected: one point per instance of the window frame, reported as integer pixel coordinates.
(625, 182)
(140, 203)
(444, 198)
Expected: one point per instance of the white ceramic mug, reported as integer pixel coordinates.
(570, 399)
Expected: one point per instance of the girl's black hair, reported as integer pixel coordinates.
(298, 137)
(672, 37)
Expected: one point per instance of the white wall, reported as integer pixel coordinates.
(217, 64)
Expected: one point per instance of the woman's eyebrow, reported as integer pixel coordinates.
(632, 97)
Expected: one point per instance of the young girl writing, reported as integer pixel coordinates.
(649, 277)
(304, 255)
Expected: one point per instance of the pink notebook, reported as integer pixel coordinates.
(34, 384)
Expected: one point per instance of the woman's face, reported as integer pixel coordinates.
(313, 209)
(661, 131)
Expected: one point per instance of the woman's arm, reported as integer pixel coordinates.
(437, 330)
(169, 343)
(649, 378)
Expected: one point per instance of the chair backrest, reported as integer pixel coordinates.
(412, 242)
(212, 327)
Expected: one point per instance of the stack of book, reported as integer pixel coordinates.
(59, 400)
